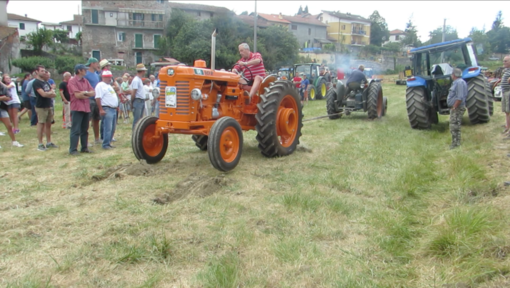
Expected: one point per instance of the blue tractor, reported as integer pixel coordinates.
(429, 81)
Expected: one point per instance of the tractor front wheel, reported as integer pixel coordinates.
(225, 144)
(147, 143)
(417, 108)
(323, 89)
(200, 141)
(375, 105)
(312, 94)
(331, 106)
(476, 102)
(279, 120)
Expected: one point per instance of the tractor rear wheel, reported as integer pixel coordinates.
(375, 105)
(279, 120)
(312, 94)
(417, 108)
(200, 141)
(385, 106)
(323, 89)
(490, 99)
(476, 102)
(331, 106)
(225, 144)
(147, 144)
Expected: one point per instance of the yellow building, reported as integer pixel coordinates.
(346, 28)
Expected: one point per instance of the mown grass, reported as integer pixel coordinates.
(375, 204)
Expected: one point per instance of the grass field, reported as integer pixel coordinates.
(360, 204)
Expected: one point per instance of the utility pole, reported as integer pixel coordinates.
(255, 30)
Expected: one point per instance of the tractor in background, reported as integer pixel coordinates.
(427, 88)
(211, 106)
(319, 87)
(368, 97)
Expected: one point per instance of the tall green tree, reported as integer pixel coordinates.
(498, 22)
(61, 36)
(499, 35)
(39, 39)
(482, 43)
(306, 9)
(436, 36)
(279, 47)
(378, 29)
(411, 35)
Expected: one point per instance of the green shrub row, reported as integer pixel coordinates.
(61, 63)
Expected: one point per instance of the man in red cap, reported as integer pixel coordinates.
(107, 103)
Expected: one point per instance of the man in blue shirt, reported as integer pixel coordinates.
(457, 102)
(93, 77)
(30, 92)
(304, 88)
(355, 79)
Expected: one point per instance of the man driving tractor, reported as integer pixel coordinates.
(355, 79)
(252, 66)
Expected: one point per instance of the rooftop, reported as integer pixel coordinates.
(347, 16)
(250, 19)
(78, 20)
(397, 32)
(198, 7)
(274, 18)
(16, 17)
(305, 19)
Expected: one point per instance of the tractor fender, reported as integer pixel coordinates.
(417, 82)
(340, 91)
(317, 81)
(470, 72)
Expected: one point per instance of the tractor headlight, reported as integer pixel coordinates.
(170, 72)
(196, 94)
(362, 86)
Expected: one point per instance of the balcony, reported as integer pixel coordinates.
(140, 24)
(358, 32)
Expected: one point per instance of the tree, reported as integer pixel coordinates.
(378, 29)
(499, 36)
(436, 36)
(300, 11)
(411, 35)
(279, 47)
(481, 40)
(61, 36)
(394, 47)
(244, 13)
(39, 39)
(498, 22)
(371, 50)
(306, 9)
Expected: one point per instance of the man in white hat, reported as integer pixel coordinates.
(107, 103)
(138, 94)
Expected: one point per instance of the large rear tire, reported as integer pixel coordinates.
(375, 105)
(200, 141)
(147, 144)
(417, 108)
(279, 120)
(331, 106)
(225, 144)
(322, 89)
(476, 102)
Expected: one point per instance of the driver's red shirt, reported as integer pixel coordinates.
(257, 69)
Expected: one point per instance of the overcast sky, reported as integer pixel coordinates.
(426, 15)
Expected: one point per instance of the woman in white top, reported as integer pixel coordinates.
(14, 104)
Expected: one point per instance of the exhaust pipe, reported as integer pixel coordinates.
(213, 49)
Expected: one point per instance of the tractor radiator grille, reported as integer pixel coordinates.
(183, 98)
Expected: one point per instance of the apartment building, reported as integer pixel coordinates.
(346, 28)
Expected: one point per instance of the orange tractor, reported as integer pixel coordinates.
(210, 105)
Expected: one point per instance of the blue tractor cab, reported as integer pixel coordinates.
(429, 81)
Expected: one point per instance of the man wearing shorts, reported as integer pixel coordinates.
(43, 107)
(505, 89)
(66, 100)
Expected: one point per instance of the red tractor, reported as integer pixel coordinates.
(210, 105)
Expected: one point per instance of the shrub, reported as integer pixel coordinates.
(29, 63)
(66, 63)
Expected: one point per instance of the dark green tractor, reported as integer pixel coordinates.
(319, 86)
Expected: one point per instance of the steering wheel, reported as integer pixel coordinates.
(242, 73)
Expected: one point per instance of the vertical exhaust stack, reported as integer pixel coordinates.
(213, 49)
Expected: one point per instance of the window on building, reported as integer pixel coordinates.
(397, 37)
(309, 31)
(21, 26)
(96, 54)
(153, 17)
(294, 27)
(121, 36)
(343, 27)
(156, 41)
(69, 28)
(138, 57)
(95, 17)
(138, 16)
(138, 40)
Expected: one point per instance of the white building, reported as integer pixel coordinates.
(74, 26)
(24, 24)
(396, 36)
